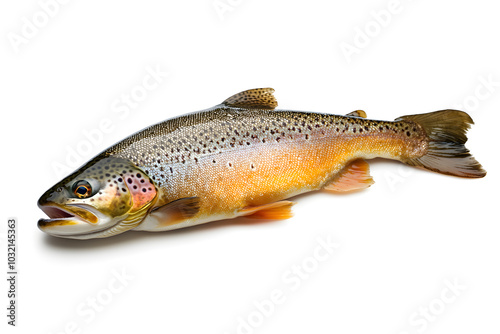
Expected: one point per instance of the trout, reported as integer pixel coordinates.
(243, 157)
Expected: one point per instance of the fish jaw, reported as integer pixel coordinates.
(72, 220)
(61, 222)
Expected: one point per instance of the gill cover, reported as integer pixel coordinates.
(107, 196)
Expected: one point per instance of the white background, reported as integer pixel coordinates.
(400, 241)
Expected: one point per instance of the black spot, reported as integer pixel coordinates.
(144, 190)
(129, 180)
(120, 179)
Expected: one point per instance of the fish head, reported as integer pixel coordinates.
(107, 196)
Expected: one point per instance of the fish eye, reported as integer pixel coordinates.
(82, 189)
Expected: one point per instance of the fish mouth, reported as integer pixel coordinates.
(71, 221)
(56, 213)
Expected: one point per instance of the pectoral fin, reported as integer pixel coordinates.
(354, 176)
(176, 211)
(276, 210)
(258, 98)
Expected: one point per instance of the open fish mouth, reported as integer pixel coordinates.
(73, 220)
(56, 213)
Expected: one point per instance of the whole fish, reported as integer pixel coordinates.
(243, 158)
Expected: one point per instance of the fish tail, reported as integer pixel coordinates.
(445, 135)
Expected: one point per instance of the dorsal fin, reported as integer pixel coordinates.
(357, 113)
(258, 98)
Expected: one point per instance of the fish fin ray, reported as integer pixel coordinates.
(276, 210)
(176, 211)
(446, 152)
(357, 113)
(257, 98)
(354, 176)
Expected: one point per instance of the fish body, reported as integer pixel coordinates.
(243, 158)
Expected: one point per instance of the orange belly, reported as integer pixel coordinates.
(231, 181)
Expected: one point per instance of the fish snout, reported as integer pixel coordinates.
(53, 196)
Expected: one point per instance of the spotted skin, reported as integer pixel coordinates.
(233, 158)
(163, 150)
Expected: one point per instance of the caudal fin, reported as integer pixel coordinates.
(446, 153)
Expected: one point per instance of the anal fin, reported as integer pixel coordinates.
(276, 210)
(354, 176)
